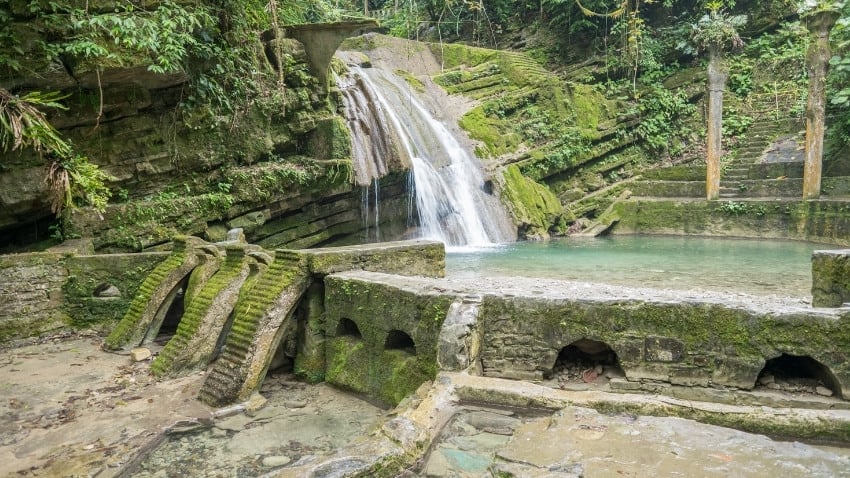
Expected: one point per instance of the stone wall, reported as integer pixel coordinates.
(660, 339)
(361, 357)
(53, 292)
(684, 343)
(819, 221)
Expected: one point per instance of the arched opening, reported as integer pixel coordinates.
(172, 319)
(798, 374)
(586, 361)
(398, 340)
(168, 316)
(348, 328)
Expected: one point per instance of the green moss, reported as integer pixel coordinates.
(780, 427)
(330, 140)
(676, 173)
(176, 355)
(132, 327)
(830, 280)
(411, 80)
(496, 137)
(87, 273)
(819, 221)
(533, 205)
(155, 220)
(587, 106)
(452, 55)
(363, 364)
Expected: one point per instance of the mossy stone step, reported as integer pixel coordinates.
(155, 289)
(198, 331)
(263, 308)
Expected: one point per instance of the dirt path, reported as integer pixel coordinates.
(68, 408)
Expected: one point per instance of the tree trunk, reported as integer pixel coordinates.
(365, 8)
(716, 84)
(817, 61)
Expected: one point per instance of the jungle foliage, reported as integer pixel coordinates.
(623, 49)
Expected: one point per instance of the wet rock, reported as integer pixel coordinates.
(275, 461)
(295, 404)
(234, 423)
(186, 426)
(405, 431)
(492, 423)
(347, 466)
(236, 234)
(823, 391)
(482, 442)
(139, 354)
(107, 291)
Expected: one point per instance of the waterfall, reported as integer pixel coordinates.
(388, 123)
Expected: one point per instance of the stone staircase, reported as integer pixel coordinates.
(145, 315)
(257, 329)
(204, 318)
(770, 122)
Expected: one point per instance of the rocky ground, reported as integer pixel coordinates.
(69, 409)
(576, 442)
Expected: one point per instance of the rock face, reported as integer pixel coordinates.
(279, 167)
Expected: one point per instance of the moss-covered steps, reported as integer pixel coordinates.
(205, 317)
(155, 294)
(257, 329)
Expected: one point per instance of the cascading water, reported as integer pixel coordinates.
(386, 120)
(371, 147)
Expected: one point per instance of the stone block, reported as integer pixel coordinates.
(830, 278)
(648, 371)
(630, 349)
(663, 349)
(249, 222)
(460, 338)
(689, 376)
(737, 372)
(621, 384)
(139, 354)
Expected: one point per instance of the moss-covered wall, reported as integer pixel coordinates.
(363, 364)
(819, 221)
(533, 206)
(51, 293)
(680, 343)
(197, 150)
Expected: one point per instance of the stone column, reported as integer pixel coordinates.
(716, 84)
(817, 60)
(310, 359)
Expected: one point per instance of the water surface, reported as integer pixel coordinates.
(751, 266)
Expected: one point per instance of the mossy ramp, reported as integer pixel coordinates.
(155, 295)
(205, 318)
(262, 311)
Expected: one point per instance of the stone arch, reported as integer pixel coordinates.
(797, 373)
(144, 316)
(348, 328)
(399, 340)
(585, 360)
(169, 314)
